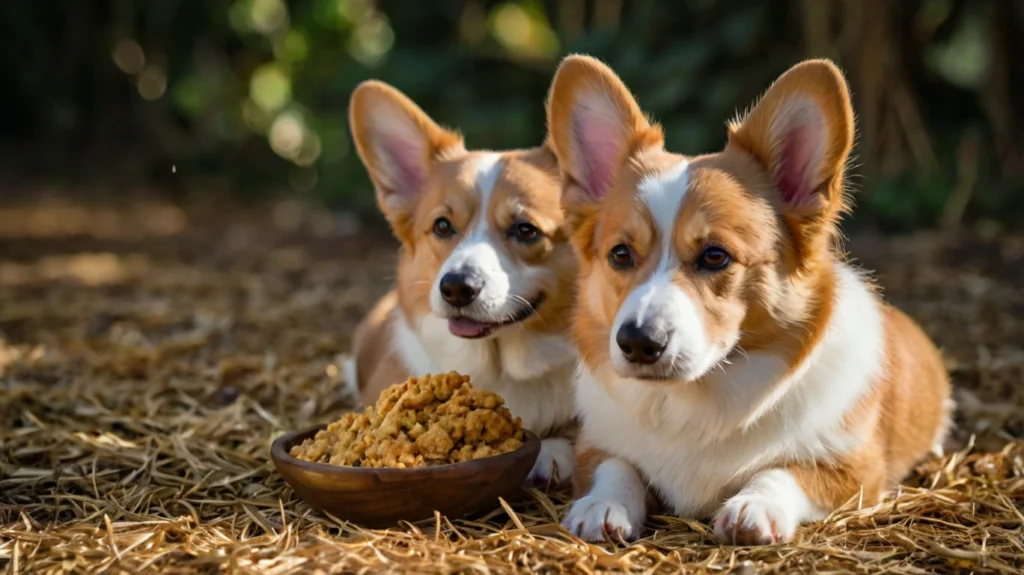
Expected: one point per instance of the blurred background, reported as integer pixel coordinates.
(246, 99)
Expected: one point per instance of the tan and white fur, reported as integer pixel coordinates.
(485, 271)
(735, 366)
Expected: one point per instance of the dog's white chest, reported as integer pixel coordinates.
(691, 478)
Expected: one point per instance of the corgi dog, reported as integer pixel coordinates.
(485, 271)
(734, 366)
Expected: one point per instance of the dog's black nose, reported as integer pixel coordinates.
(641, 344)
(460, 289)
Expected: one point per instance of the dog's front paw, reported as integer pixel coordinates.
(755, 519)
(555, 463)
(592, 518)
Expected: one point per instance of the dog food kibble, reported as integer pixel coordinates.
(429, 420)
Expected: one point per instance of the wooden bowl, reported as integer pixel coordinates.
(381, 497)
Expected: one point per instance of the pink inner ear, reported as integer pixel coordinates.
(405, 161)
(799, 154)
(600, 144)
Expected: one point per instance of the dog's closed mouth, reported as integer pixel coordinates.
(669, 376)
(469, 328)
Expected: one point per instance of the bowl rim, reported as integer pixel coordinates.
(280, 454)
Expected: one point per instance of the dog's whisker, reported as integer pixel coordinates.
(528, 304)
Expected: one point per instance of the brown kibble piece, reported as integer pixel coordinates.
(429, 420)
(435, 444)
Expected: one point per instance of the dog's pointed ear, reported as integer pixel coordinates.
(398, 143)
(594, 125)
(802, 132)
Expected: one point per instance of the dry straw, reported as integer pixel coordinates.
(136, 415)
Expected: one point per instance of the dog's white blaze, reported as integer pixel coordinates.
(477, 249)
(663, 194)
(488, 168)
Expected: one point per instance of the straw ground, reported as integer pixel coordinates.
(149, 355)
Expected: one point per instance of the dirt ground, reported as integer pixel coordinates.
(149, 355)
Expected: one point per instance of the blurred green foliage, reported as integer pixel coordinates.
(251, 95)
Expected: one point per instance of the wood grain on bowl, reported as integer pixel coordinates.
(381, 497)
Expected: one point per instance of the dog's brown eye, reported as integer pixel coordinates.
(621, 257)
(443, 228)
(525, 232)
(714, 259)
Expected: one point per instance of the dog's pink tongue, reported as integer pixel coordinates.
(465, 327)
